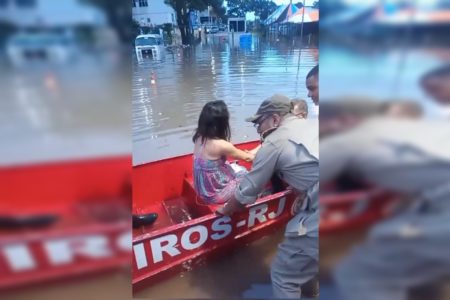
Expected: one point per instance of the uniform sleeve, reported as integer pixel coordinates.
(336, 154)
(262, 170)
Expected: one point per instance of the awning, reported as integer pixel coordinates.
(282, 14)
(311, 15)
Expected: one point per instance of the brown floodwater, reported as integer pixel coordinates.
(168, 93)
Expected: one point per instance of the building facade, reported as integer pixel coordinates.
(50, 13)
(152, 12)
(207, 16)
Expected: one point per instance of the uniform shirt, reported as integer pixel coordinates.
(291, 152)
(405, 156)
(394, 154)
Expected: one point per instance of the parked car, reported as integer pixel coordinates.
(149, 45)
(212, 29)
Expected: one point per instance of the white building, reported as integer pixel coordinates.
(50, 13)
(207, 16)
(153, 12)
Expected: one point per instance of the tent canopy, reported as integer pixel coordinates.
(311, 15)
(282, 14)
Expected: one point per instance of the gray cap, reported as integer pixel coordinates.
(275, 104)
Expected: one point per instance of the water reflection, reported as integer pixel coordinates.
(169, 93)
(56, 108)
(242, 274)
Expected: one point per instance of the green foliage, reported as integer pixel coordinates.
(262, 8)
(218, 8)
(167, 29)
(135, 28)
(190, 5)
(183, 9)
(238, 8)
(118, 13)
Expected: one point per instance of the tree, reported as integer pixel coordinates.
(118, 13)
(261, 8)
(218, 8)
(135, 28)
(238, 8)
(299, 4)
(167, 29)
(183, 8)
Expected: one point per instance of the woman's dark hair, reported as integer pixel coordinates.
(213, 122)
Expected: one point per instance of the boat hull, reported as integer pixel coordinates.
(162, 253)
(188, 232)
(358, 209)
(66, 220)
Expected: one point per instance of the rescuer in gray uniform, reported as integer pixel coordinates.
(289, 150)
(410, 157)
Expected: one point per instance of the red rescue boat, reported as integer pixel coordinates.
(186, 231)
(64, 219)
(69, 219)
(344, 211)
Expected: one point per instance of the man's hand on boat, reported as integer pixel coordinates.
(230, 208)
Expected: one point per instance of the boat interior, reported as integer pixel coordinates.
(166, 188)
(58, 196)
(349, 205)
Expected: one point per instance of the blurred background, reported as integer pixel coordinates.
(384, 60)
(65, 159)
(241, 52)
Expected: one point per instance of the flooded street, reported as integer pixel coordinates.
(64, 112)
(76, 110)
(169, 93)
(379, 74)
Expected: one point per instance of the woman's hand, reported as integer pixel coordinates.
(230, 208)
(254, 150)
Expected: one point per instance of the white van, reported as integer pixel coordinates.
(149, 45)
(25, 48)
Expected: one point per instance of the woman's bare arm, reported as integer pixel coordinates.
(254, 150)
(229, 149)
